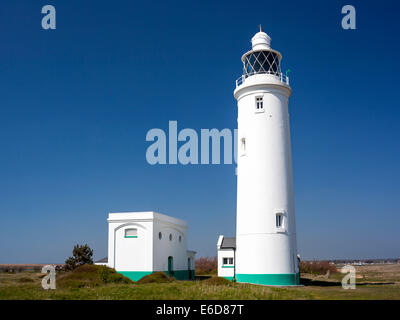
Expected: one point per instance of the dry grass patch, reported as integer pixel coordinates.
(317, 267)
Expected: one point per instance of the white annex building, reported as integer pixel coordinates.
(226, 256)
(140, 243)
(265, 250)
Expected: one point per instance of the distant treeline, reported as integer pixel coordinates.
(13, 268)
(365, 261)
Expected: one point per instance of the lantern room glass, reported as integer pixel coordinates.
(261, 62)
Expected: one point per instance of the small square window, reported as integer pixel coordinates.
(259, 104)
(130, 233)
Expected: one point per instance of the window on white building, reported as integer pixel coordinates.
(280, 222)
(160, 235)
(180, 238)
(259, 104)
(226, 261)
(170, 237)
(130, 233)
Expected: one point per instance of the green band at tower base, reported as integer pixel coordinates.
(177, 274)
(282, 279)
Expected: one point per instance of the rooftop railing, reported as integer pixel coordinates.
(278, 76)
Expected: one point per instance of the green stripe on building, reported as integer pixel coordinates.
(284, 279)
(177, 274)
(135, 275)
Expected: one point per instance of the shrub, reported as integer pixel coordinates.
(216, 281)
(156, 277)
(90, 275)
(80, 255)
(206, 265)
(60, 267)
(317, 267)
(108, 275)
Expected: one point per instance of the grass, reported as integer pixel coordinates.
(378, 282)
(216, 281)
(90, 276)
(156, 277)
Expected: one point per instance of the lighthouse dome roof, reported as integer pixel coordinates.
(261, 41)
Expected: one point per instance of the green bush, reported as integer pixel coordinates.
(80, 255)
(216, 281)
(156, 277)
(90, 275)
(108, 275)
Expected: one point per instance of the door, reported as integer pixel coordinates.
(170, 266)
(189, 270)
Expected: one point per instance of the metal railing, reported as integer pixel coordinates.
(279, 76)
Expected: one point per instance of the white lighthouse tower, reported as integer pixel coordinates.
(266, 250)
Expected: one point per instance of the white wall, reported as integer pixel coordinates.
(130, 254)
(225, 272)
(147, 252)
(164, 248)
(264, 180)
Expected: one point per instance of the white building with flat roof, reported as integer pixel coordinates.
(226, 257)
(140, 243)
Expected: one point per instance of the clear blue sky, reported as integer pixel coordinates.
(76, 104)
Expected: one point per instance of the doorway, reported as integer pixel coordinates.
(189, 269)
(170, 266)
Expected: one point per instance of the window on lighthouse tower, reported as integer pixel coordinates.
(259, 104)
(280, 222)
(243, 146)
